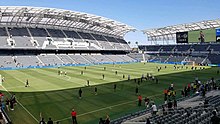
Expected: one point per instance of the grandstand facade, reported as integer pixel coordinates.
(48, 36)
(186, 45)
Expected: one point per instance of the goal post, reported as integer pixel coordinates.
(192, 63)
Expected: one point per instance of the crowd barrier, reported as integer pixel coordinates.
(178, 63)
(63, 65)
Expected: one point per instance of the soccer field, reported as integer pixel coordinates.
(55, 95)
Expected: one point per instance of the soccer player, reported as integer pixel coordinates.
(3, 79)
(115, 87)
(104, 68)
(85, 67)
(58, 72)
(138, 81)
(136, 90)
(81, 72)
(129, 78)
(123, 76)
(80, 93)
(87, 82)
(65, 73)
(116, 72)
(96, 91)
(27, 83)
(217, 71)
(103, 76)
(142, 76)
(157, 80)
(73, 114)
(158, 70)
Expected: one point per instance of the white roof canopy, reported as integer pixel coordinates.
(169, 32)
(62, 19)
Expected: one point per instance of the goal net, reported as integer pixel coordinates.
(189, 63)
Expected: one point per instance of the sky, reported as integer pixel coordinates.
(140, 14)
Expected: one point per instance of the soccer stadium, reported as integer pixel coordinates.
(60, 66)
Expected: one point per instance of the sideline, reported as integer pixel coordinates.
(22, 106)
(109, 107)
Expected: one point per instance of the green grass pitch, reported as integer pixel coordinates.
(54, 96)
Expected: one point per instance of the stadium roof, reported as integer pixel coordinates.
(169, 32)
(59, 18)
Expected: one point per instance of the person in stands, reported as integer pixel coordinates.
(215, 119)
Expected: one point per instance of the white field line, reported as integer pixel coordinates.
(22, 106)
(110, 107)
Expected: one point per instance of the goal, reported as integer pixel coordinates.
(189, 63)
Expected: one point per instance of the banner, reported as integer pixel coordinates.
(218, 35)
(182, 37)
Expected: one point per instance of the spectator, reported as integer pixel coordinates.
(164, 110)
(107, 120)
(169, 105)
(206, 103)
(50, 121)
(182, 93)
(154, 107)
(42, 121)
(11, 105)
(147, 101)
(174, 104)
(7, 103)
(139, 100)
(215, 119)
(73, 114)
(13, 99)
(101, 121)
(204, 112)
(148, 121)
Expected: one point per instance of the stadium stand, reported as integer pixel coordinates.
(199, 53)
(45, 42)
(191, 110)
